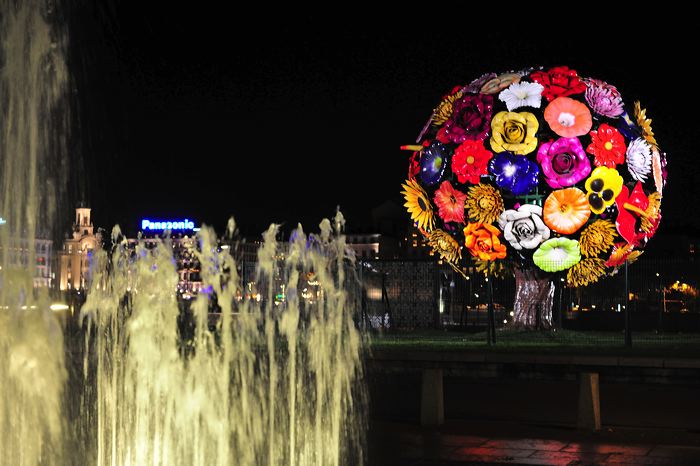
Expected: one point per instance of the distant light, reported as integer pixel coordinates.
(512, 313)
(657, 274)
(505, 321)
(195, 229)
(225, 246)
(58, 307)
(561, 279)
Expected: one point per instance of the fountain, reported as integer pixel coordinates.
(33, 80)
(147, 378)
(273, 382)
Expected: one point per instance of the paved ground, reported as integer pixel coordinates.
(393, 444)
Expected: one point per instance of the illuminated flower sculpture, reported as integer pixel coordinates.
(542, 172)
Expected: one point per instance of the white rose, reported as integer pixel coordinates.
(524, 228)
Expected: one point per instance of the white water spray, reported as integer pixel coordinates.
(275, 383)
(32, 122)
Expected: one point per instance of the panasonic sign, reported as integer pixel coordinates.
(172, 225)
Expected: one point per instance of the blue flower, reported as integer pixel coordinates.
(627, 127)
(514, 173)
(432, 163)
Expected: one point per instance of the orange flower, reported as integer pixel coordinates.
(568, 117)
(566, 210)
(482, 241)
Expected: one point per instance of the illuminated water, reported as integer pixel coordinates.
(275, 383)
(33, 81)
(276, 380)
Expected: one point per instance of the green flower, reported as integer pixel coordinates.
(557, 254)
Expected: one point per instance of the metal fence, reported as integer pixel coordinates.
(662, 296)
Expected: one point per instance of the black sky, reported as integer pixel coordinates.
(210, 113)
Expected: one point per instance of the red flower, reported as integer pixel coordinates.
(620, 253)
(631, 207)
(470, 161)
(414, 161)
(559, 81)
(450, 203)
(608, 146)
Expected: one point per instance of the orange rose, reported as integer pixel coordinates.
(482, 241)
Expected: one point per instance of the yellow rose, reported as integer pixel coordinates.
(514, 132)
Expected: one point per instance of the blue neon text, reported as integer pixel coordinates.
(167, 225)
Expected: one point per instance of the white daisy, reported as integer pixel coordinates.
(639, 159)
(522, 94)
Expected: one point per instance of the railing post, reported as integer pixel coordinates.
(432, 406)
(628, 324)
(560, 320)
(588, 401)
(491, 330)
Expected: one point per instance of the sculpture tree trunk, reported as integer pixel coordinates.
(534, 298)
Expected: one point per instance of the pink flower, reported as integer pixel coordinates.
(564, 162)
(603, 98)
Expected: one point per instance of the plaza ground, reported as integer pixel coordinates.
(516, 402)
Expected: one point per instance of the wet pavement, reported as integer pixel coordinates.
(456, 443)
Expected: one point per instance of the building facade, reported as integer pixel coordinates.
(18, 255)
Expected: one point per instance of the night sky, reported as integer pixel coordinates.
(209, 113)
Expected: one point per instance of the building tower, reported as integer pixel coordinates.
(77, 251)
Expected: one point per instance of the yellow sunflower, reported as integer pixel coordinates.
(652, 212)
(444, 110)
(445, 245)
(585, 272)
(597, 238)
(645, 123)
(484, 203)
(418, 205)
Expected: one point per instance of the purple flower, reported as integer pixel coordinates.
(471, 119)
(564, 162)
(514, 173)
(603, 98)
